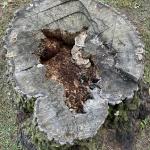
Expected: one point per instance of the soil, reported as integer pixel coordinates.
(56, 56)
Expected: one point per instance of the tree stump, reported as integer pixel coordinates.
(39, 43)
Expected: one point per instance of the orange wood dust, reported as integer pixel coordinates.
(56, 56)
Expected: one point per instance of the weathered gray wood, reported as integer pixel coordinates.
(111, 38)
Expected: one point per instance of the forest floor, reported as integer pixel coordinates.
(137, 11)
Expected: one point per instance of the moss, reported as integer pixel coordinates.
(135, 103)
(146, 37)
(25, 104)
(121, 113)
(117, 114)
(8, 127)
(145, 123)
(39, 139)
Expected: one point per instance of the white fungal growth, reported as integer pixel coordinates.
(78, 49)
(80, 39)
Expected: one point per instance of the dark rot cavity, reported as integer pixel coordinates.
(56, 56)
(51, 48)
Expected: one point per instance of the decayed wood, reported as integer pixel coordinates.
(110, 38)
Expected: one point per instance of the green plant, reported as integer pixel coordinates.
(144, 123)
